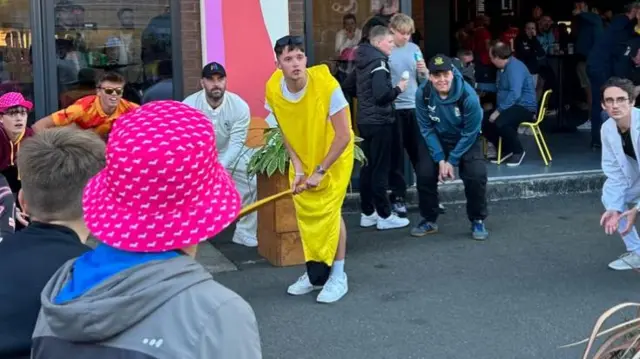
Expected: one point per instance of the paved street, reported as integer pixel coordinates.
(538, 283)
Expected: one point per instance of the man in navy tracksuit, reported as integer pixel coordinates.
(450, 117)
(603, 56)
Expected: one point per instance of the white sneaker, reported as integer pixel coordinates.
(335, 288)
(392, 222)
(368, 221)
(245, 241)
(585, 126)
(302, 286)
(630, 260)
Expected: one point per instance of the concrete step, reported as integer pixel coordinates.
(511, 187)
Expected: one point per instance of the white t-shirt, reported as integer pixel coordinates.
(338, 101)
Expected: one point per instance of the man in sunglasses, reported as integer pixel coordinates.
(314, 118)
(95, 112)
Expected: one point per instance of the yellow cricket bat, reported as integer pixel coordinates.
(254, 206)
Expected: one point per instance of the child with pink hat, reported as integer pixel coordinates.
(14, 110)
(162, 192)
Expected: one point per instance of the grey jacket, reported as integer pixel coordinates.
(159, 310)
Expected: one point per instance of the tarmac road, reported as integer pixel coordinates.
(539, 282)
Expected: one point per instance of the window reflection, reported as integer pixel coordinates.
(97, 37)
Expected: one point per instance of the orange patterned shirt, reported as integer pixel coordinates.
(87, 114)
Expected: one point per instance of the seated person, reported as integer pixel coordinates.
(55, 167)
(148, 296)
(464, 63)
(96, 112)
(515, 103)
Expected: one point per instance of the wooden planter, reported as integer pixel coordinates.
(278, 236)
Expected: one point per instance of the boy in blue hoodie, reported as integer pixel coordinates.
(450, 116)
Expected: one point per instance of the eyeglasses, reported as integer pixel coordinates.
(14, 113)
(290, 40)
(110, 91)
(609, 101)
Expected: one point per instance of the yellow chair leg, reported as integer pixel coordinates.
(499, 159)
(540, 149)
(544, 143)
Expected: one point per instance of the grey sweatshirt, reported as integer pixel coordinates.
(164, 309)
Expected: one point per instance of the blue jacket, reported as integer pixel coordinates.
(443, 119)
(515, 86)
(605, 50)
(589, 32)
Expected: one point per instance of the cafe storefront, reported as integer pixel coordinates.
(51, 51)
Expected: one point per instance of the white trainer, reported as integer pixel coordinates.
(368, 221)
(245, 241)
(392, 222)
(335, 288)
(630, 260)
(302, 286)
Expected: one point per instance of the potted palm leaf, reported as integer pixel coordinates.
(278, 235)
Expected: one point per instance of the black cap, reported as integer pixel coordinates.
(213, 68)
(440, 63)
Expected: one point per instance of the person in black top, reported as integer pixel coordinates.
(528, 49)
(382, 18)
(376, 115)
(55, 166)
(628, 65)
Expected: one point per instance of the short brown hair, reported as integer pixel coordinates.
(403, 23)
(111, 77)
(377, 32)
(500, 50)
(55, 166)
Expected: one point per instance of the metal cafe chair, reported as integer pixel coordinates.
(537, 133)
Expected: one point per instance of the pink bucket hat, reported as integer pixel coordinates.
(163, 187)
(13, 99)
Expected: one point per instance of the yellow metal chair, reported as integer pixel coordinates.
(537, 133)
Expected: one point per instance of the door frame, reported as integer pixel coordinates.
(44, 67)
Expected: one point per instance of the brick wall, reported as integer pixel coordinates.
(191, 45)
(296, 17)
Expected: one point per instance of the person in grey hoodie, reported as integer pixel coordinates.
(140, 294)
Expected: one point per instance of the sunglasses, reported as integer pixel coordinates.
(111, 91)
(290, 40)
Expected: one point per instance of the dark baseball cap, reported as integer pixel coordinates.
(440, 63)
(213, 68)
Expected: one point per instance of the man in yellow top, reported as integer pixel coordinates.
(314, 118)
(95, 112)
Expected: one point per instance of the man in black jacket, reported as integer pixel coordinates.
(54, 166)
(375, 95)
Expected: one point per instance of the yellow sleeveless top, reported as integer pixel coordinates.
(307, 128)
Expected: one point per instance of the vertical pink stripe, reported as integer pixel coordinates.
(215, 31)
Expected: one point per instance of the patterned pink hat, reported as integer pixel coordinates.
(13, 99)
(163, 187)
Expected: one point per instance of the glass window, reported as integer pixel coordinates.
(92, 38)
(15, 41)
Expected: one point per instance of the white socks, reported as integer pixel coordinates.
(337, 269)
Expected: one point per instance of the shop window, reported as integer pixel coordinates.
(15, 39)
(131, 38)
(331, 26)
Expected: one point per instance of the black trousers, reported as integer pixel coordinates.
(473, 173)
(377, 145)
(407, 137)
(506, 126)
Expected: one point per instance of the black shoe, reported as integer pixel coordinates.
(399, 207)
(516, 159)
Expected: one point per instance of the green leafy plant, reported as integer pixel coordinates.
(273, 156)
